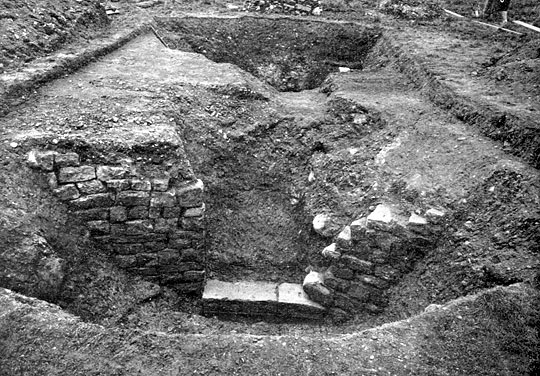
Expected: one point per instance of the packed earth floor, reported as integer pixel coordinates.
(284, 117)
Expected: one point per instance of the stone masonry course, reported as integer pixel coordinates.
(152, 226)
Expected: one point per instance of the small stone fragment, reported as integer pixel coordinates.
(416, 220)
(314, 287)
(324, 226)
(52, 181)
(41, 160)
(331, 252)
(358, 228)
(381, 216)
(344, 238)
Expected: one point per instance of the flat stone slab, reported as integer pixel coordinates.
(241, 291)
(258, 298)
(295, 303)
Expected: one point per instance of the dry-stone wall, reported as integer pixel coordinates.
(151, 225)
(369, 256)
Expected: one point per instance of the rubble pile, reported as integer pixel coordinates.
(295, 7)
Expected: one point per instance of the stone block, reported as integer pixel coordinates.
(118, 184)
(147, 271)
(128, 249)
(345, 302)
(141, 238)
(107, 173)
(434, 215)
(336, 283)
(137, 227)
(192, 223)
(357, 264)
(314, 287)
(379, 257)
(67, 192)
(92, 214)
(43, 160)
(344, 239)
(52, 180)
(98, 200)
(154, 213)
(195, 212)
(118, 214)
(99, 227)
(374, 281)
(331, 252)
(67, 160)
(191, 195)
(324, 225)
(147, 259)
(187, 288)
(163, 199)
(194, 276)
(191, 254)
(245, 298)
(294, 302)
(154, 246)
(387, 273)
(76, 174)
(140, 185)
(172, 212)
(133, 198)
(165, 225)
(126, 262)
(137, 212)
(168, 256)
(91, 187)
(341, 272)
(416, 220)
(358, 229)
(160, 184)
(380, 218)
(360, 292)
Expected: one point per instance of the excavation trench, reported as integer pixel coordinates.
(254, 150)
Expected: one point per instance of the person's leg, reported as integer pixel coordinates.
(504, 15)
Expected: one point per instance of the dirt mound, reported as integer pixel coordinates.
(412, 9)
(33, 28)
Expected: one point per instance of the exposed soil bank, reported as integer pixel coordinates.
(468, 336)
(287, 54)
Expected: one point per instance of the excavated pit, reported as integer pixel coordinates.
(290, 55)
(256, 162)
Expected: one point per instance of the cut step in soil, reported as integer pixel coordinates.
(260, 299)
